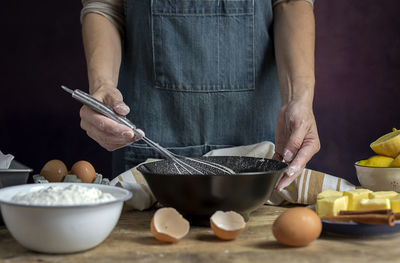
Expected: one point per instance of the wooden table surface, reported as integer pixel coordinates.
(132, 241)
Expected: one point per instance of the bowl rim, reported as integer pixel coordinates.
(222, 175)
(127, 196)
(375, 167)
(286, 165)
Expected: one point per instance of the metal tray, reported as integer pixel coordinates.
(15, 175)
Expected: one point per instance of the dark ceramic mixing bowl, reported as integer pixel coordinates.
(197, 197)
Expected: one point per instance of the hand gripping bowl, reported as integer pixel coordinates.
(61, 229)
(197, 197)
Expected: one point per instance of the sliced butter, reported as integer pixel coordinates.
(382, 194)
(395, 204)
(374, 204)
(355, 196)
(331, 206)
(329, 193)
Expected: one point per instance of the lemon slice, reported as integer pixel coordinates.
(396, 162)
(363, 162)
(388, 144)
(377, 161)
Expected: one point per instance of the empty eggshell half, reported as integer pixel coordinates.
(167, 225)
(227, 225)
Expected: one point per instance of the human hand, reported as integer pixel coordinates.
(296, 139)
(110, 134)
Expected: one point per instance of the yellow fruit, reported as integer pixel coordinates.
(363, 162)
(388, 144)
(377, 161)
(396, 162)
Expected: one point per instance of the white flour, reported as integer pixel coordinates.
(70, 195)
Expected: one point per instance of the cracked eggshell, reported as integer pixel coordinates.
(227, 225)
(167, 225)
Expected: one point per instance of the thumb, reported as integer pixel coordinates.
(114, 99)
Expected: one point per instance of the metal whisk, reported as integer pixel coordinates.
(183, 165)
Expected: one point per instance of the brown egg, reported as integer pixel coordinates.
(167, 225)
(297, 227)
(54, 171)
(84, 171)
(227, 225)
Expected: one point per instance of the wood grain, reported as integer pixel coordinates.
(131, 241)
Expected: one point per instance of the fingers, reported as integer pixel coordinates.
(90, 118)
(304, 155)
(113, 98)
(121, 109)
(277, 156)
(295, 141)
(284, 182)
(110, 141)
(107, 138)
(110, 134)
(309, 147)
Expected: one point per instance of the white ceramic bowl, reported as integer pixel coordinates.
(61, 229)
(379, 178)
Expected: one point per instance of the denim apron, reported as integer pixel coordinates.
(198, 75)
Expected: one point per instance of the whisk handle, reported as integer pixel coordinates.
(101, 108)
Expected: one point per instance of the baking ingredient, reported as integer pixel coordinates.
(371, 217)
(329, 193)
(377, 161)
(382, 194)
(167, 225)
(395, 204)
(355, 196)
(388, 144)
(84, 171)
(54, 171)
(396, 162)
(374, 204)
(297, 227)
(358, 200)
(331, 206)
(227, 225)
(56, 195)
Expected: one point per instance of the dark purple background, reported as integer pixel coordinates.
(356, 97)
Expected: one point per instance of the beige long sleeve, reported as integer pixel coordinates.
(113, 10)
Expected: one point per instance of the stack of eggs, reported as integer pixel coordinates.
(81, 172)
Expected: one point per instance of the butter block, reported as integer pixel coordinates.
(355, 196)
(382, 194)
(331, 206)
(374, 204)
(329, 193)
(395, 204)
(360, 190)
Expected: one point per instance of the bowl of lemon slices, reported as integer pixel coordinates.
(381, 172)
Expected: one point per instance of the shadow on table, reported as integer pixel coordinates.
(269, 245)
(209, 238)
(341, 237)
(148, 241)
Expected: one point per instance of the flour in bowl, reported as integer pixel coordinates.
(70, 195)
